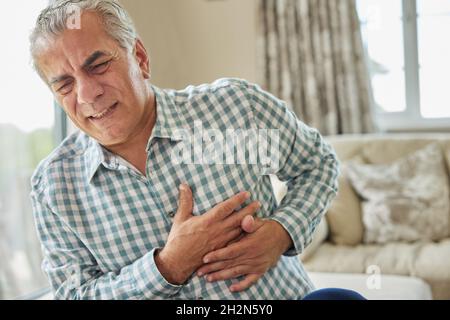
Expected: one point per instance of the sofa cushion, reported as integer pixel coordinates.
(407, 200)
(427, 260)
(344, 215)
(432, 264)
(390, 287)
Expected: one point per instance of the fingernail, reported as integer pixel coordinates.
(183, 187)
(247, 195)
(199, 274)
(258, 205)
(209, 279)
(232, 289)
(206, 260)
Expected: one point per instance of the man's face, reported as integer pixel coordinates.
(99, 84)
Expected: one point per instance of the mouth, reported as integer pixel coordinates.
(104, 114)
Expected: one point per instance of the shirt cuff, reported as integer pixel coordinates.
(150, 281)
(295, 226)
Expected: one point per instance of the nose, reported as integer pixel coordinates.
(89, 89)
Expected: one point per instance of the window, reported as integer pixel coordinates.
(27, 135)
(434, 52)
(408, 61)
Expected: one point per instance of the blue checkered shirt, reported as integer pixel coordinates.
(100, 221)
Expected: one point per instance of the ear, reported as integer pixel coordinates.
(142, 58)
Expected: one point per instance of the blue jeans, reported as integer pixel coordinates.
(334, 294)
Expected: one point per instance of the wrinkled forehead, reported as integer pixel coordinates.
(70, 49)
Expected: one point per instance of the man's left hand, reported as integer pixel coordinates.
(254, 254)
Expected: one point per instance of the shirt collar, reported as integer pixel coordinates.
(167, 117)
(167, 122)
(96, 156)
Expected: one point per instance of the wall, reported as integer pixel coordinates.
(197, 41)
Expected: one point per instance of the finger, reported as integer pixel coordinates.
(224, 209)
(185, 203)
(230, 273)
(248, 281)
(213, 267)
(237, 239)
(231, 252)
(250, 224)
(233, 235)
(235, 220)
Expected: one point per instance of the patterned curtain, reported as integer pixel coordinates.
(311, 54)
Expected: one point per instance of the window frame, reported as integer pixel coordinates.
(60, 124)
(411, 118)
(59, 134)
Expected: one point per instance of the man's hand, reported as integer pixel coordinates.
(251, 256)
(192, 237)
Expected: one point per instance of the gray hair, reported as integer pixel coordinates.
(53, 20)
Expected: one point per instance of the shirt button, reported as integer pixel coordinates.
(172, 214)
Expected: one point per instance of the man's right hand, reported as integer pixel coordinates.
(191, 237)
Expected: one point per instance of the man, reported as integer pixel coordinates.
(120, 217)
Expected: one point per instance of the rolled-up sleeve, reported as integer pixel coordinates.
(305, 161)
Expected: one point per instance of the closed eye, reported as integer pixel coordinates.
(100, 68)
(65, 88)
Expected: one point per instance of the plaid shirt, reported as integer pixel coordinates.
(100, 221)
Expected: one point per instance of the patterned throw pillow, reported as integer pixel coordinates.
(407, 200)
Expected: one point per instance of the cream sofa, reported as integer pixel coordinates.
(337, 248)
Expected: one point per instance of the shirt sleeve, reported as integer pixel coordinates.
(305, 161)
(74, 273)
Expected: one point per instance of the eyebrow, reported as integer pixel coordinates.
(89, 61)
(58, 79)
(93, 57)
